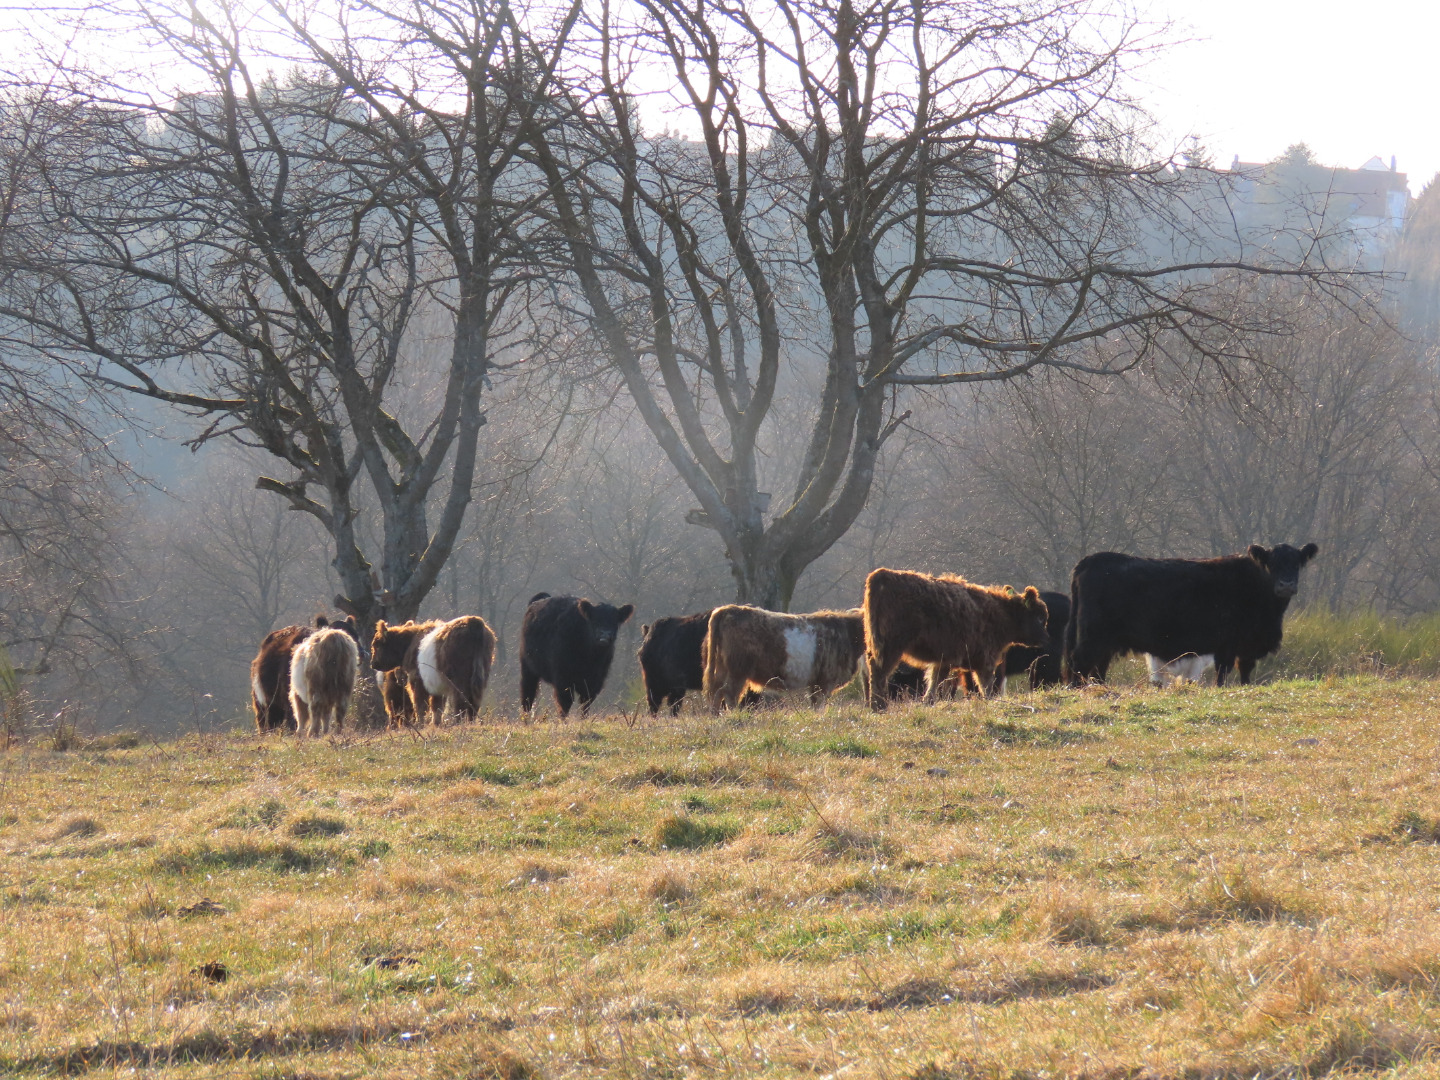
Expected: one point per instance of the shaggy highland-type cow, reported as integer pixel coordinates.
(568, 642)
(446, 666)
(751, 648)
(670, 659)
(322, 678)
(395, 693)
(270, 672)
(1043, 663)
(1232, 608)
(943, 623)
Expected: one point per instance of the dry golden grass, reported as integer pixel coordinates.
(1116, 883)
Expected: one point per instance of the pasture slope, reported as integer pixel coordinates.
(1111, 883)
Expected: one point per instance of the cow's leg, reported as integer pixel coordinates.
(878, 669)
(302, 718)
(654, 697)
(1223, 664)
(676, 700)
(529, 687)
(815, 695)
(564, 698)
(1247, 668)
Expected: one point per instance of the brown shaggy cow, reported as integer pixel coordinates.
(395, 692)
(941, 623)
(270, 673)
(749, 647)
(322, 678)
(446, 664)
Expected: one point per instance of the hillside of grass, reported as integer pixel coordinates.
(1108, 883)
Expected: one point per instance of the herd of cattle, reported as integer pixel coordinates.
(914, 634)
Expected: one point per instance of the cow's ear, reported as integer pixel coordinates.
(380, 628)
(1032, 597)
(321, 622)
(1009, 590)
(1260, 555)
(645, 629)
(1308, 552)
(625, 612)
(585, 608)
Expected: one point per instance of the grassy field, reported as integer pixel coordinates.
(1122, 883)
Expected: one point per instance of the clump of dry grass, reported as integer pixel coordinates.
(537, 873)
(1240, 894)
(839, 834)
(681, 831)
(73, 827)
(1069, 917)
(308, 825)
(669, 888)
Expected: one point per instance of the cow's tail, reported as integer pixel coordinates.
(1067, 667)
(712, 679)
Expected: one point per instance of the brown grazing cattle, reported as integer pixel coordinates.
(446, 664)
(322, 678)
(395, 692)
(942, 623)
(751, 648)
(270, 673)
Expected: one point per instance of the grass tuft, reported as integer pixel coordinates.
(73, 826)
(309, 825)
(1417, 828)
(669, 888)
(681, 831)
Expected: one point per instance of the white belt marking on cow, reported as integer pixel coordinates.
(258, 690)
(1190, 667)
(380, 679)
(298, 662)
(799, 656)
(429, 672)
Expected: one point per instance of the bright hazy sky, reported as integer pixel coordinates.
(1353, 79)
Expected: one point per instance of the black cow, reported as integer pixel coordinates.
(1232, 607)
(1043, 663)
(569, 643)
(670, 659)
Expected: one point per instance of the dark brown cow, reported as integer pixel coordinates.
(322, 678)
(446, 664)
(395, 692)
(751, 648)
(942, 623)
(270, 673)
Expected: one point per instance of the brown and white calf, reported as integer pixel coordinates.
(446, 664)
(270, 673)
(943, 623)
(322, 678)
(751, 648)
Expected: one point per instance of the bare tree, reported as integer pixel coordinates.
(877, 197)
(328, 267)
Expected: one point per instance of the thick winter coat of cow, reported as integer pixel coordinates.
(1232, 608)
(751, 648)
(1044, 663)
(446, 666)
(322, 678)
(670, 658)
(270, 673)
(943, 623)
(568, 642)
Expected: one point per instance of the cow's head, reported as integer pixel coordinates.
(387, 647)
(604, 621)
(1031, 626)
(1283, 563)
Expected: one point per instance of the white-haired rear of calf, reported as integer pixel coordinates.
(1187, 668)
(322, 678)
